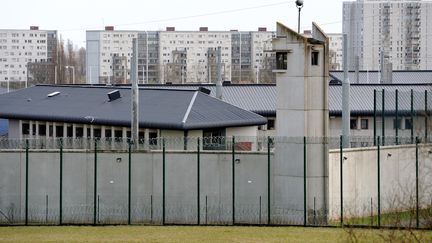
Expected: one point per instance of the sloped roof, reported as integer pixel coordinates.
(399, 77)
(261, 98)
(159, 108)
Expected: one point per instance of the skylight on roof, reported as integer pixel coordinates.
(53, 94)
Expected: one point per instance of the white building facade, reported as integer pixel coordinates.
(180, 56)
(20, 47)
(336, 51)
(398, 30)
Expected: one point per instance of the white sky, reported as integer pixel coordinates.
(72, 18)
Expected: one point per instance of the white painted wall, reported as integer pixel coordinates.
(397, 179)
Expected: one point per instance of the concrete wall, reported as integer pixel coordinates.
(146, 187)
(397, 171)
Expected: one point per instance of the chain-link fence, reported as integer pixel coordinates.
(216, 181)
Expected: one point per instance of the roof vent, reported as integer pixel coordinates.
(53, 94)
(204, 90)
(113, 95)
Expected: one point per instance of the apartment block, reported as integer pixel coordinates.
(336, 51)
(172, 56)
(20, 49)
(392, 33)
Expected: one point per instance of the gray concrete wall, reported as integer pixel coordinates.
(146, 187)
(397, 171)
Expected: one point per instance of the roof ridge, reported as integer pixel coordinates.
(186, 116)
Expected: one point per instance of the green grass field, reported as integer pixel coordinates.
(194, 234)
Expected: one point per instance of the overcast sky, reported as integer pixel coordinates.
(73, 18)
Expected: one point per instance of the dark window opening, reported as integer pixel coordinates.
(51, 130)
(69, 131)
(88, 132)
(118, 135)
(408, 124)
(34, 129)
(108, 133)
(214, 139)
(364, 124)
(397, 124)
(314, 58)
(25, 129)
(153, 138)
(281, 60)
(42, 130)
(141, 137)
(59, 131)
(270, 124)
(353, 124)
(97, 133)
(79, 132)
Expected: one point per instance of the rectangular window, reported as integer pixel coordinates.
(364, 124)
(59, 131)
(118, 133)
(25, 129)
(214, 139)
(97, 133)
(314, 58)
(69, 131)
(281, 60)
(42, 130)
(408, 123)
(397, 124)
(79, 132)
(270, 124)
(34, 129)
(353, 124)
(108, 133)
(153, 138)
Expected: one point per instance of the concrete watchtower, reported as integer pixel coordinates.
(302, 111)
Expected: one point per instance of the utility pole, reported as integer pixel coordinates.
(345, 96)
(134, 94)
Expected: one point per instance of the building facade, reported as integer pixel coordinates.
(393, 32)
(336, 51)
(172, 56)
(19, 48)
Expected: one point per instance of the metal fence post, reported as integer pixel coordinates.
(379, 182)
(341, 179)
(417, 182)
(383, 117)
(198, 181)
(374, 117)
(26, 179)
(163, 181)
(397, 116)
(268, 182)
(129, 180)
(233, 180)
(95, 184)
(61, 183)
(304, 183)
(412, 116)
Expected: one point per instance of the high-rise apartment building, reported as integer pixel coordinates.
(180, 56)
(336, 51)
(27, 54)
(393, 32)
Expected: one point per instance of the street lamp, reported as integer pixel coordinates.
(299, 5)
(73, 73)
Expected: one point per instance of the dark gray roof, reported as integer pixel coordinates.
(399, 76)
(261, 98)
(362, 98)
(159, 108)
